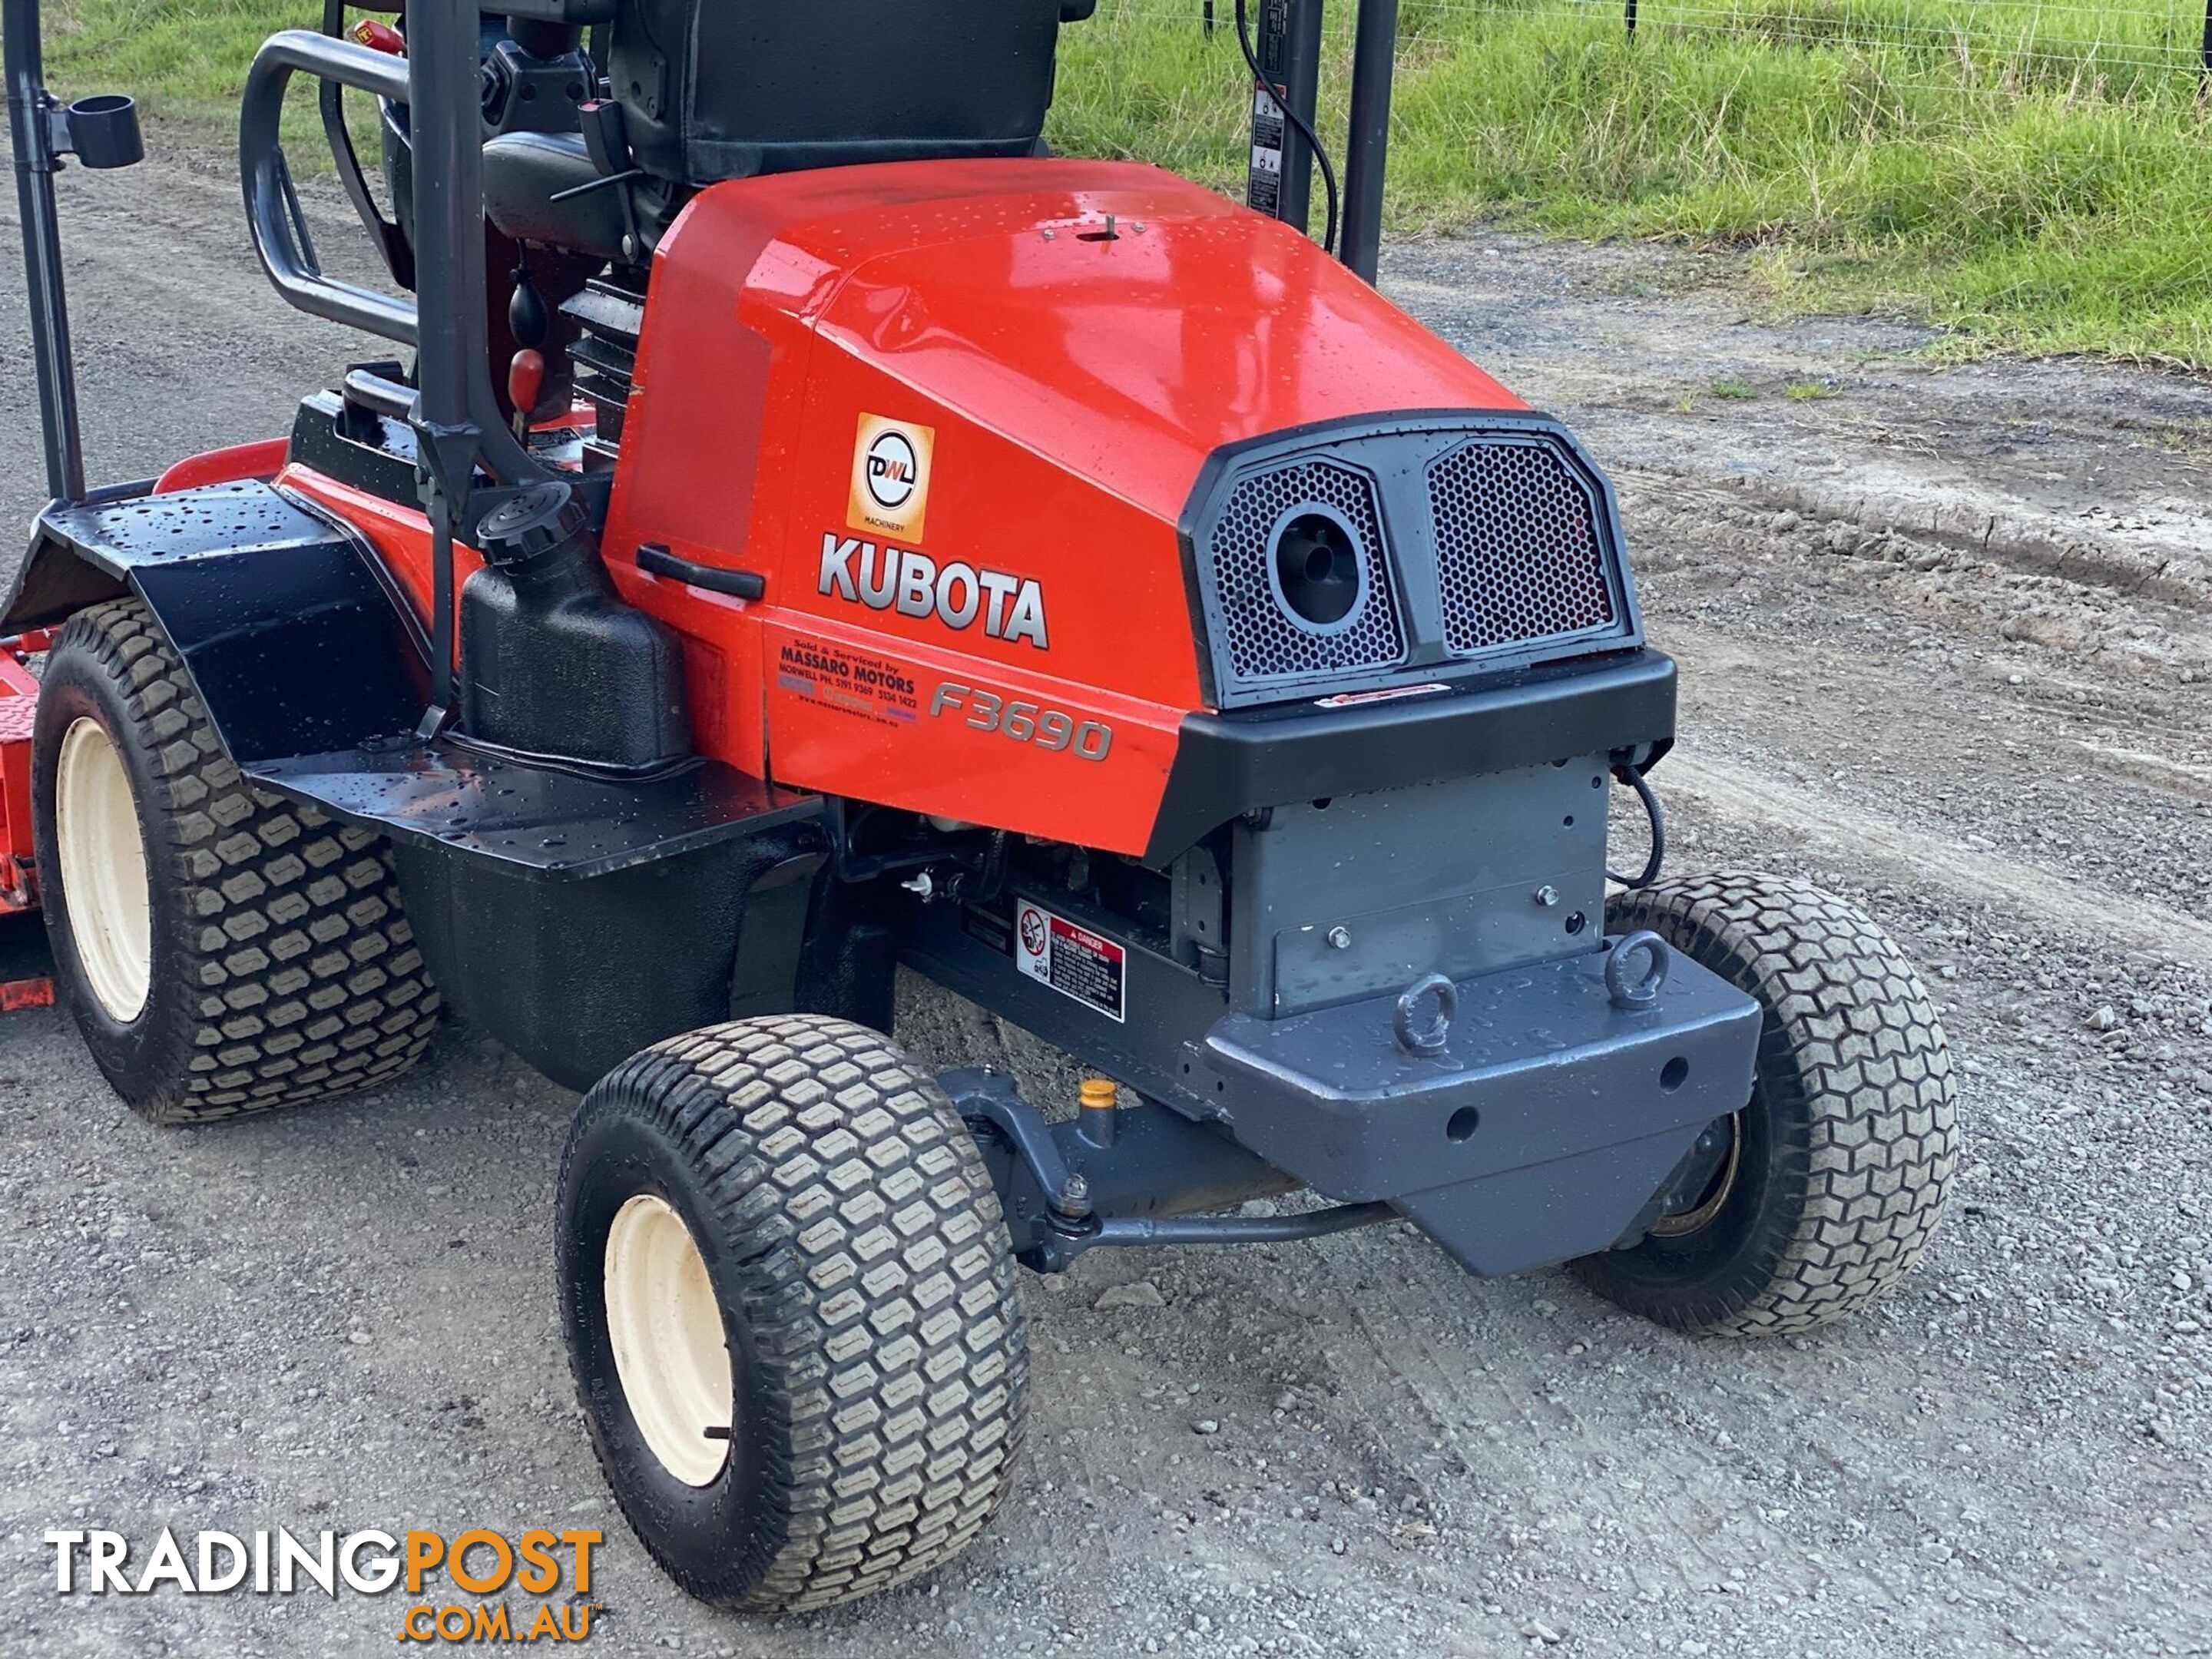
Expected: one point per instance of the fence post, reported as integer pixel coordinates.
(1209, 17)
(2208, 23)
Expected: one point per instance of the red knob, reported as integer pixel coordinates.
(526, 379)
(378, 37)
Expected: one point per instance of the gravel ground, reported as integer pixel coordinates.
(1944, 632)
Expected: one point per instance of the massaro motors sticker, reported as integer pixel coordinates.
(892, 461)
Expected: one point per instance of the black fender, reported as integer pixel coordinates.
(577, 916)
(294, 640)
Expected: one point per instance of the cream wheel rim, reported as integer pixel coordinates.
(665, 1327)
(104, 878)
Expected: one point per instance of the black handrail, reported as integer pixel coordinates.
(438, 81)
(272, 209)
(390, 238)
(30, 127)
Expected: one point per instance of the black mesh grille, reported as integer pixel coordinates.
(1264, 641)
(1517, 547)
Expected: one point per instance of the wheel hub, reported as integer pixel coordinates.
(1702, 1204)
(104, 874)
(665, 1327)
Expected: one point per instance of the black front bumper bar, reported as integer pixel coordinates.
(1539, 1132)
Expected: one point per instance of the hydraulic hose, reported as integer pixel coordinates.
(1634, 779)
(1297, 122)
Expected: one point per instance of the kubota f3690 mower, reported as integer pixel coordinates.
(804, 529)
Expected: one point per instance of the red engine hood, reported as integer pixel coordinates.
(992, 288)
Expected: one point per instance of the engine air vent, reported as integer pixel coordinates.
(1388, 555)
(1519, 557)
(1300, 583)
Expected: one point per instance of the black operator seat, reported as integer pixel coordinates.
(716, 89)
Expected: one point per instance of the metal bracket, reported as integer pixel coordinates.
(983, 1095)
(1642, 991)
(1431, 1038)
(445, 459)
(988, 1103)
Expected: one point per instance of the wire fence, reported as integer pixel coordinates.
(2108, 51)
(2053, 146)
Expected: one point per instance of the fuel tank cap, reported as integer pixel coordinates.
(532, 520)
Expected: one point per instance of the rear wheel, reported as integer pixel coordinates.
(1821, 1193)
(223, 952)
(790, 1305)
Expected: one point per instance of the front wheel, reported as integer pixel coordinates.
(791, 1312)
(1821, 1193)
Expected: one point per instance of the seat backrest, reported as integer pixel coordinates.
(714, 89)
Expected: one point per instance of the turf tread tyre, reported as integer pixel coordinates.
(855, 1242)
(284, 969)
(1860, 1138)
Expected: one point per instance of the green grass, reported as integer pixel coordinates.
(185, 61)
(2035, 175)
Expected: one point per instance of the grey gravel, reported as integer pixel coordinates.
(1141, 1293)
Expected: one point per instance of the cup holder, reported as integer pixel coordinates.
(103, 132)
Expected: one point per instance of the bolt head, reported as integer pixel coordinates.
(1547, 896)
(1339, 938)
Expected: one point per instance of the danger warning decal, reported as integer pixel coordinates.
(1074, 961)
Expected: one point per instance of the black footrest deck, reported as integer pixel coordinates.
(539, 820)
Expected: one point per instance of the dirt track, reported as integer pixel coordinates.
(1947, 644)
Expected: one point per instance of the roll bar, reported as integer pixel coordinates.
(1286, 61)
(1375, 45)
(456, 413)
